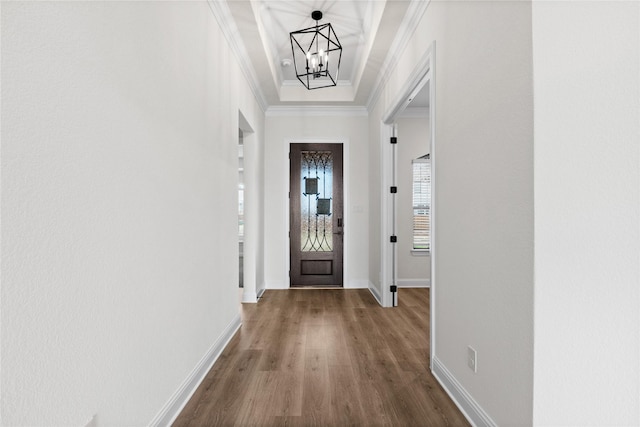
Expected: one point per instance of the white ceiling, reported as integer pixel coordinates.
(371, 34)
(352, 20)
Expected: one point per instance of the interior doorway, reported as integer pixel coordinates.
(413, 211)
(316, 229)
(422, 75)
(249, 210)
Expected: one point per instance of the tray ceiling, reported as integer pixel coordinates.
(371, 33)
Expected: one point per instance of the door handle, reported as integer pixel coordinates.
(338, 233)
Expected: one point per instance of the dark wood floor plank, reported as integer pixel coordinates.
(325, 357)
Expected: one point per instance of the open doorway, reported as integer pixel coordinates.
(249, 211)
(420, 84)
(413, 210)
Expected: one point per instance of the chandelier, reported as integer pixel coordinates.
(316, 54)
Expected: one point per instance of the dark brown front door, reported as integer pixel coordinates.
(316, 220)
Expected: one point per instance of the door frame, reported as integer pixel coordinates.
(345, 200)
(252, 204)
(423, 73)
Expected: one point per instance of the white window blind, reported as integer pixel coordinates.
(421, 204)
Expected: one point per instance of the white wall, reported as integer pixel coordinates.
(587, 139)
(484, 196)
(119, 191)
(280, 131)
(414, 141)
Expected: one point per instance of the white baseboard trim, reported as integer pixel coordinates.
(375, 293)
(357, 284)
(463, 400)
(249, 297)
(260, 292)
(277, 284)
(414, 283)
(180, 398)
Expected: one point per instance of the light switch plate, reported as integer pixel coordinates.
(472, 359)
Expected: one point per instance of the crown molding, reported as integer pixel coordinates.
(412, 18)
(315, 111)
(221, 12)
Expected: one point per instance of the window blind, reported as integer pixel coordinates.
(421, 204)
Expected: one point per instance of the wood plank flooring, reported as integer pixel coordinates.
(323, 357)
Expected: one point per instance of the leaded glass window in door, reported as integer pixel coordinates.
(316, 225)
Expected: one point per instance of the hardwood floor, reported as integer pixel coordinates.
(318, 357)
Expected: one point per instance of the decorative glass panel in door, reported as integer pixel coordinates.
(316, 235)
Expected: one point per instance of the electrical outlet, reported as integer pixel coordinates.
(472, 359)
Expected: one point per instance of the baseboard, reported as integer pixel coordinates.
(357, 284)
(463, 400)
(277, 284)
(260, 292)
(177, 402)
(414, 283)
(249, 297)
(375, 293)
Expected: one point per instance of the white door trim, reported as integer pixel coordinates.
(386, 214)
(252, 210)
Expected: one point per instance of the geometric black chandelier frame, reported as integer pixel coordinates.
(317, 53)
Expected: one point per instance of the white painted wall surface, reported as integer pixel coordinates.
(414, 140)
(587, 171)
(484, 201)
(280, 131)
(119, 198)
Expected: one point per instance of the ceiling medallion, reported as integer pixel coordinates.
(317, 53)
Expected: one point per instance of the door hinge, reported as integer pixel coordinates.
(394, 189)
(393, 239)
(394, 140)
